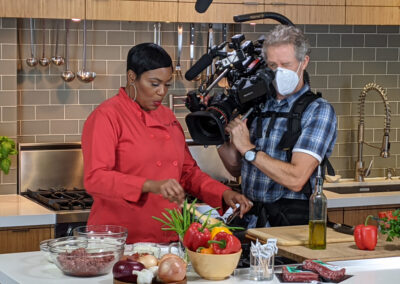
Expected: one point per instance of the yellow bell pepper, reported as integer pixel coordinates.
(207, 250)
(216, 230)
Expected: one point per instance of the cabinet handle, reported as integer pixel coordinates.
(20, 230)
(251, 3)
(278, 3)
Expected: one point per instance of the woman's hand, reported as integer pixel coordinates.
(232, 197)
(170, 189)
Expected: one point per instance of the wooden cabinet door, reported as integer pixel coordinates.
(335, 215)
(220, 11)
(356, 215)
(316, 12)
(51, 9)
(22, 239)
(372, 12)
(133, 10)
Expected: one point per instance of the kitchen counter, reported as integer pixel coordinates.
(337, 200)
(16, 210)
(32, 267)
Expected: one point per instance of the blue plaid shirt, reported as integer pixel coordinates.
(317, 139)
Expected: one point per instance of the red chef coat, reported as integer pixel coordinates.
(123, 146)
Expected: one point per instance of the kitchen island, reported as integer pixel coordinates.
(33, 267)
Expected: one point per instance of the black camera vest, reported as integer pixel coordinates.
(293, 132)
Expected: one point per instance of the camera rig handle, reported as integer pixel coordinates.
(263, 15)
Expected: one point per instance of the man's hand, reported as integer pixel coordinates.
(232, 197)
(170, 189)
(239, 135)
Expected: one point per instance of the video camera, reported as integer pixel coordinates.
(249, 83)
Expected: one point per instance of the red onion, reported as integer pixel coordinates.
(122, 270)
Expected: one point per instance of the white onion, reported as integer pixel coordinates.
(171, 269)
(148, 260)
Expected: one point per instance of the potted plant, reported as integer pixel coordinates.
(7, 148)
(390, 224)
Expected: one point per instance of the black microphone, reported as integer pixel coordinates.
(202, 5)
(199, 66)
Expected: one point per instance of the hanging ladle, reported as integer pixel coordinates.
(83, 75)
(67, 75)
(57, 59)
(32, 61)
(44, 61)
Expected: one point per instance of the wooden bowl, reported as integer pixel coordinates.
(184, 281)
(214, 266)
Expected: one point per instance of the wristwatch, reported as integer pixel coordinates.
(250, 155)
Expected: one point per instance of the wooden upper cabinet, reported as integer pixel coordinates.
(133, 10)
(316, 12)
(51, 9)
(372, 12)
(220, 11)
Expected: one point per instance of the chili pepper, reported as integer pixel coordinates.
(387, 214)
(205, 250)
(216, 230)
(197, 235)
(224, 243)
(366, 235)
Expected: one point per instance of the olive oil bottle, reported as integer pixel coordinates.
(318, 212)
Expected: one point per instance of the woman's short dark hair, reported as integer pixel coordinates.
(147, 56)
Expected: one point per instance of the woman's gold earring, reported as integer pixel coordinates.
(133, 84)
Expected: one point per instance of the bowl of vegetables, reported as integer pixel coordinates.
(214, 266)
(214, 255)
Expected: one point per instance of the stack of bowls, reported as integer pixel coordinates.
(102, 232)
(85, 257)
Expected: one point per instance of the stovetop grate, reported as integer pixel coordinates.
(61, 198)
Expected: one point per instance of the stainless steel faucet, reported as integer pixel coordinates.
(360, 171)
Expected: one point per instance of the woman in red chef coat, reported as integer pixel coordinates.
(136, 161)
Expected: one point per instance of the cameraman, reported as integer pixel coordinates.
(273, 183)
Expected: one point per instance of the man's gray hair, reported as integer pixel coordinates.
(283, 34)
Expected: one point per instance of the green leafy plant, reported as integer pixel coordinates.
(389, 224)
(7, 148)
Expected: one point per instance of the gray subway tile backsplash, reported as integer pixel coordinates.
(37, 106)
(340, 54)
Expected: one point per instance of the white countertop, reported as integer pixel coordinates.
(32, 267)
(336, 200)
(16, 210)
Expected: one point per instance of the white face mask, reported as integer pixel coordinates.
(286, 80)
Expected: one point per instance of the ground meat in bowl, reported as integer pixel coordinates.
(81, 263)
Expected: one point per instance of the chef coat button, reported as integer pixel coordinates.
(158, 163)
(167, 136)
(151, 135)
(175, 163)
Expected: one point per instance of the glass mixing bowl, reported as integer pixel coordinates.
(85, 257)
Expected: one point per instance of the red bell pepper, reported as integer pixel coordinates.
(197, 235)
(366, 236)
(224, 243)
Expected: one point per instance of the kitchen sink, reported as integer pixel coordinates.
(365, 188)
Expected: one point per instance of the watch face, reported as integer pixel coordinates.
(250, 155)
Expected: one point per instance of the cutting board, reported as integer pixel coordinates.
(295, 235)
(341, 251)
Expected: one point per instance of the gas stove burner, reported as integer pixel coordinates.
(58, 198)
